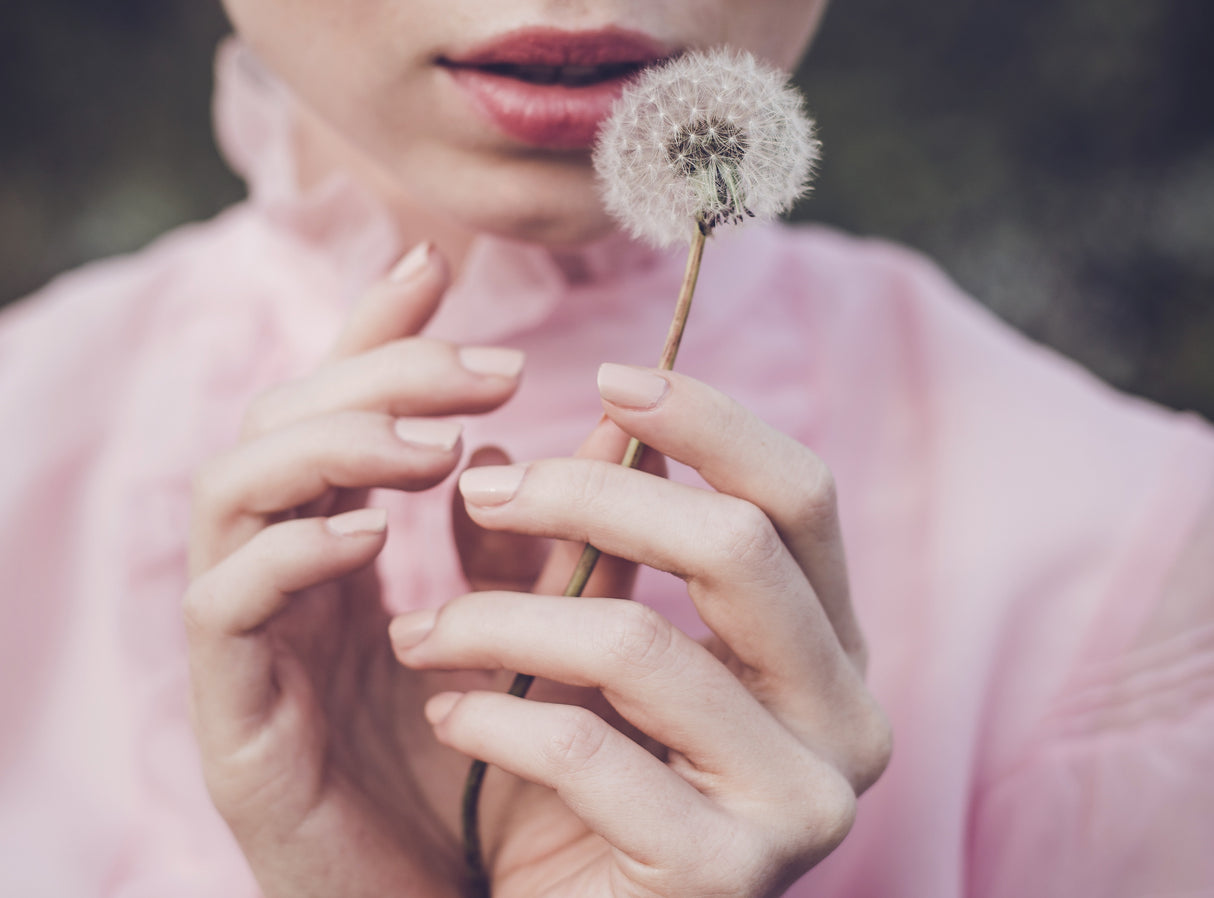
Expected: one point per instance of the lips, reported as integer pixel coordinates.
(551, 88)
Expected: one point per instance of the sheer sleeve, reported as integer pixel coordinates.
(1115, 798)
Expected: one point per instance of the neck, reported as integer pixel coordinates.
(319, 152)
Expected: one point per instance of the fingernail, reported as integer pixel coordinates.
(631, 387)
(413, 263)
(408, 630)
(497, 361)
(360, 522)
(429, 432)
(491, 484)
(441, 705)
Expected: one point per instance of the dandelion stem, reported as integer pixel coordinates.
(683, 306)
(473, 853)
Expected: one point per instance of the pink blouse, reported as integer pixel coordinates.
(1032, 554)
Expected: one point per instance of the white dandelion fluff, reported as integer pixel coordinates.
(706, 139)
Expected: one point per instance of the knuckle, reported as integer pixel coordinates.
(744, 534)
(578, 738)
(196, 605)
(743, 859)
(824, 810)
(205, 484)
(590, 480)
(874, 748)
(818, 496)
(214, 493)
(639, 640)
(835, 812)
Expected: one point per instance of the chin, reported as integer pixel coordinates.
(557, 228)
(535, 201)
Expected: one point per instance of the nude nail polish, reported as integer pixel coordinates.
(497, 361)
(439, 707)
(429, 432)
(360, 522)
(410, 629)
(413, 263)
(630, 387)
(492, 484)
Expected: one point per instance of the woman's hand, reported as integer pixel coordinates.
(312, 737)
(732, 767)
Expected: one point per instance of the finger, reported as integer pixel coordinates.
(413, 377)
(746, 586)
(622, 792)
(398, 305)
(613, 576)
(740, 455)
(237, 491)
(502, 560)
(494, 559)
(661, 681)
(225, 611)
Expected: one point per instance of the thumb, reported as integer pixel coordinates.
(613, 577)
(397, 305)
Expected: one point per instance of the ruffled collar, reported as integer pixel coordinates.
(505, 287)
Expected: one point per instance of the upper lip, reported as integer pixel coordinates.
(540, 48)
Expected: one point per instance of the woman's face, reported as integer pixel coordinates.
(478, 114)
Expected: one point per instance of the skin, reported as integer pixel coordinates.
(335, 741)
(364, 76)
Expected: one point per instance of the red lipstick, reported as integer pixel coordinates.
(551, 88)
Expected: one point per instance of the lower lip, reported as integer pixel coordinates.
(542, 115)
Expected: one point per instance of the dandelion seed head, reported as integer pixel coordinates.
(707, 139)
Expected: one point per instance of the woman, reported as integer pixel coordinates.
(1025, 550)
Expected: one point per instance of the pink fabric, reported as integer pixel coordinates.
(1029, 551)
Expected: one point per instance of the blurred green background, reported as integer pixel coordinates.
(1055, 156)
